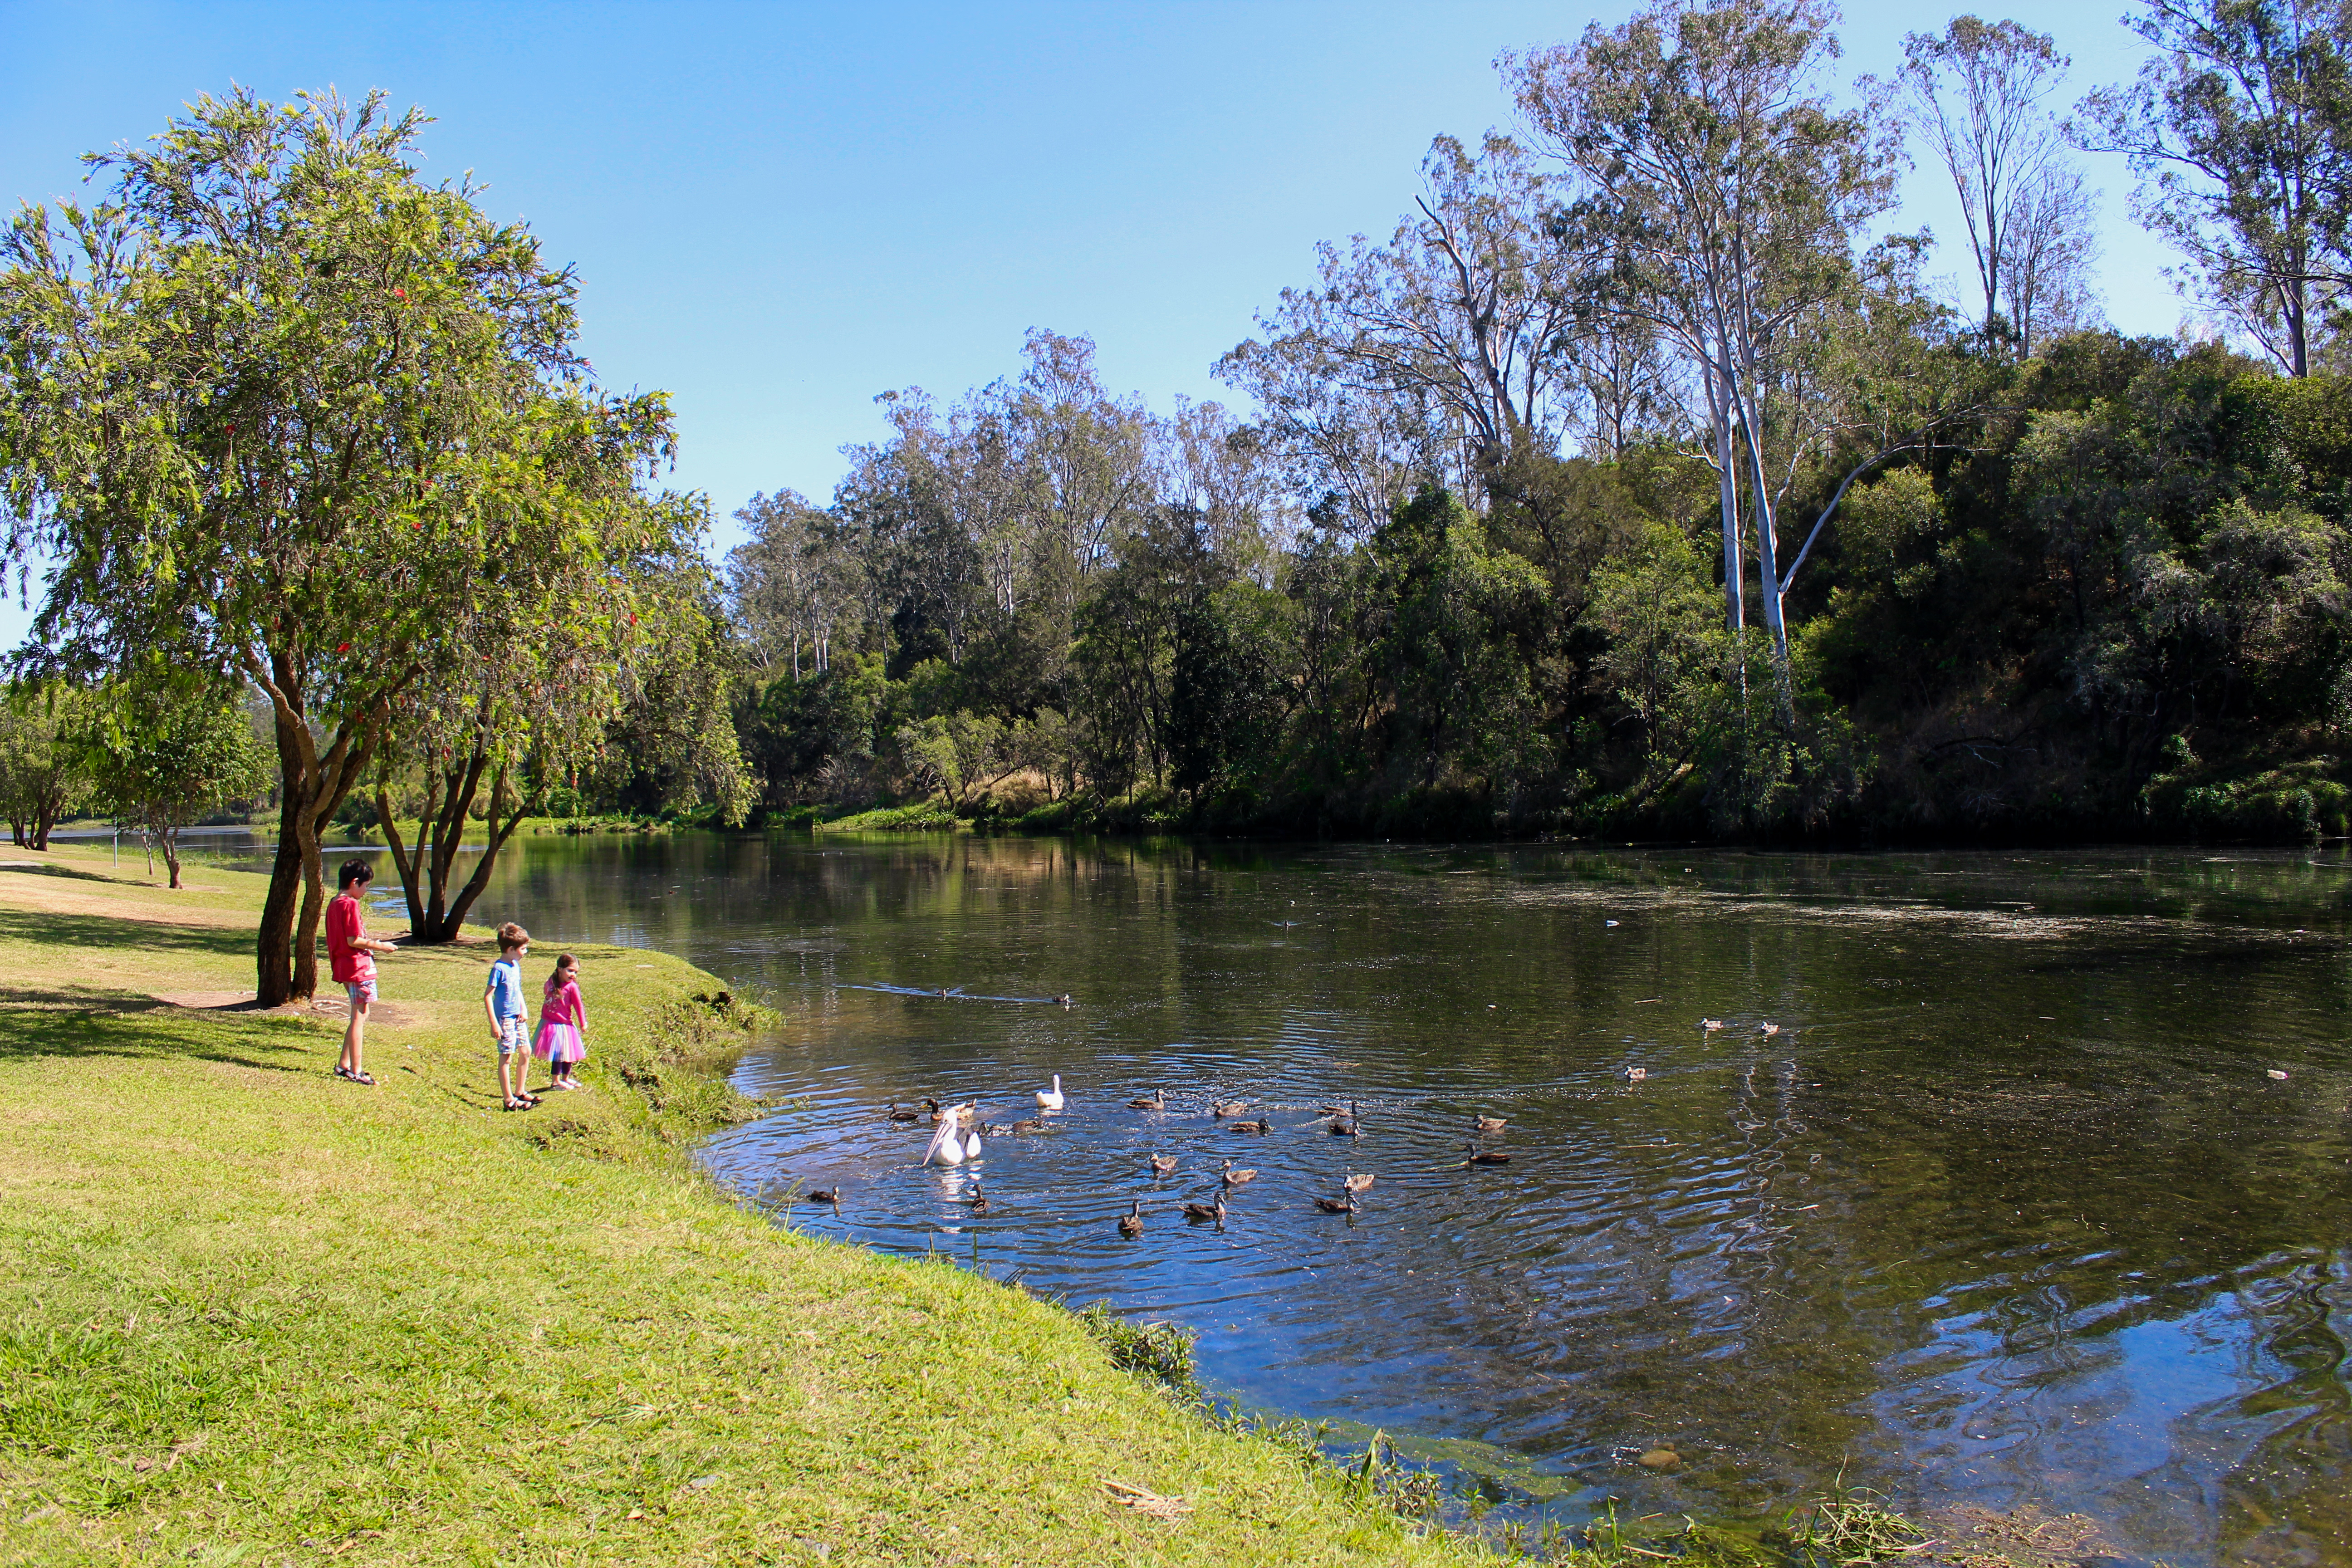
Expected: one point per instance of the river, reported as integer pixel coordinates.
(1988, 1190)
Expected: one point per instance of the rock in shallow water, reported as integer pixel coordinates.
(1661, 1459)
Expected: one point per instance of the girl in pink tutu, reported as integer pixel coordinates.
(563, 1024)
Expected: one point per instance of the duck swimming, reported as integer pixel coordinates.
(1227, 1107)
(1344, 1126)
(1163, 1164)
(1771, 1028)
(1489, 1123)
(826, 1196)
(979, 1198)
(1156, 1101)
(1051, 1099)
(1028, 1125)
(1131, 1222)
(1484, 1156)
(1236, 1178)
(1215, 1211)
(1344, 1203)
(898, 1115)
(1635, 1074)
(1260, 1128)
(1357, 1184)
(1710, 1024)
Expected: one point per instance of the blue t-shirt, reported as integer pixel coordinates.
(506, 989)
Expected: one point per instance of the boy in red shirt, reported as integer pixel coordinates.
(351, 958)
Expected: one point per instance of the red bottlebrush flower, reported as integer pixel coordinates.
(400, 293)
(342, 647)
(419, 525)
(633, 620)
(232, 429)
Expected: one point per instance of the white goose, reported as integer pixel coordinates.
(949, 1146)
(1051, 1099)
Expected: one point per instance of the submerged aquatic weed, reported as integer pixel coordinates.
(1849, 1526)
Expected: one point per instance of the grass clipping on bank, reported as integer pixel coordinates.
(251, 1313)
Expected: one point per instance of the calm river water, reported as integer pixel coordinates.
(2012, 1209)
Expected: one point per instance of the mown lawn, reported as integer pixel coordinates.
(250, 1313)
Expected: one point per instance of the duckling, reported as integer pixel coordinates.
(1236, 1178)
(1163, 1164)
(827, 1196)
(1261, 1127)
(1484, 1156)
(1344, 1203)
(1215, 1211)
(1156, 1101)
(979, 1198)
(1771, 1028)
(1051, 1099)
(1227, 1107)
(1357, 1184)
(1490, 1123)
(1131, 1222)
(1344, 1126)
(1710, 1026)
(898, 1115)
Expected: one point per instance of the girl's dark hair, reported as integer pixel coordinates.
(354, 871)
(564, 960)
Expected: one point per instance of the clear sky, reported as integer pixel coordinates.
(778, 211)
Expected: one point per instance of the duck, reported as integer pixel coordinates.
(1051, 1099)
(1357, 1184)
(1156, 1101)
(933, 1106)
(1163, 1164)
(898, 1115)
(1771, 1028)
(1484, 1156)
(1027, 1125)
(827, 1196)
(1710, 1024)
(1635, 1074)
(1344, 1203)
(1215, 1211)
(1490, 1123)
(1064, 1000)
(1227, 1107)
(1236, 1178)
(979, 1198)
(1344, 1126)
(1260, 1128)
(1131, 1222)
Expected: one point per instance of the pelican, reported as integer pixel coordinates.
(1236, 1178)
(1357, 1184)
(1051, 1099)
(948, 1146)
(1491, 1123)
(1131, 1222)
(1163, 1164)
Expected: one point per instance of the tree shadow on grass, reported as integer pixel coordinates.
(97, 932)
(86, 1022)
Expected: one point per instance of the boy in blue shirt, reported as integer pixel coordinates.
(502, 1000)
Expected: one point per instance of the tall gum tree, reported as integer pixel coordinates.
(261, 405)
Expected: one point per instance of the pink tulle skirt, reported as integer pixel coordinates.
(559, 1043)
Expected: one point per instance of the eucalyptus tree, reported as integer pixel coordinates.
(2240, 127)
(1976, 93)
(1723, 196)
(1464, 313)
(794, 580)
(274, 407)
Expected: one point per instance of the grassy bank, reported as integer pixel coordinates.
(250, 1313)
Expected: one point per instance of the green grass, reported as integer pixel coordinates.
(249, 1313)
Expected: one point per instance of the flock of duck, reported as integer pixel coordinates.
(960, 1137)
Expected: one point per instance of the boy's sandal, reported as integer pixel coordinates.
(362, 1077)
(515, 1104)
(343, 1071)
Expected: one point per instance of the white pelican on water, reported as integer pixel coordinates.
(1051, 1099)
(948, 1145)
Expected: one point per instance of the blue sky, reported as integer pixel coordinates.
(778, 211)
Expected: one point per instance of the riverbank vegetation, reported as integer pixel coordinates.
(247, 1310)
(1645, 480)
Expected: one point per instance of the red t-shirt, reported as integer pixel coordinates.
(347, 924)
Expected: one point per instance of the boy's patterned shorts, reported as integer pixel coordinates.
(510, 1040)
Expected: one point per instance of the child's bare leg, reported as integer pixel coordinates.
(354, 1036)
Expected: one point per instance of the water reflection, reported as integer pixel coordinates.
(2009, 1210)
